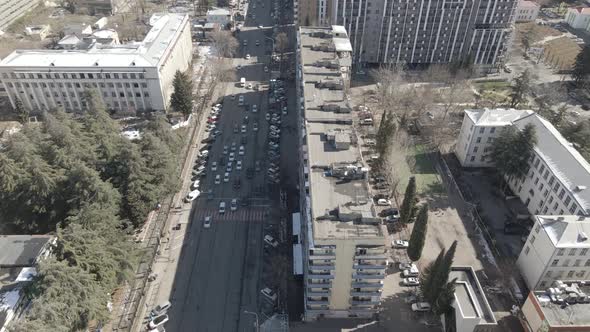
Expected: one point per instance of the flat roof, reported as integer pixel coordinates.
(558, 314)
(566, 231)
(21, 250)
(329, 194)
(146, 53)
(469, 295)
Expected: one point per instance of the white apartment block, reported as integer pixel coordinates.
(557, 248)
(578, 18)
(558, 180)
(526, 11)
(132, 77)
(12, 10)
(344, 243)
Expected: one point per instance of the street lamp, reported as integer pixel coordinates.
(256, 315)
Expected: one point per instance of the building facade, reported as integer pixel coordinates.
(578, 18)
(344, 243)
(423, 32)
(11, 10)
(129, 78)
(526, 11)
(557, 248)
(106, 7)
(559, 176)
(219, 16)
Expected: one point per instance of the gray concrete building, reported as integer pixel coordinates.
(418, 32)
(11, 10)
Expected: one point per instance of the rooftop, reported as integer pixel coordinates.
(146, 53)
(331, 197)
(583, 10)
(469, 295)
(567, 231)
(558, 313)
(21, 250)
(496, 117)
(218, 11)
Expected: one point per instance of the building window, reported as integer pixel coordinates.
(536, 181)
(119, 85)
(136, 85)
(82, 75)
(572, 252)
(137, 94)
(577, 262)
(556, 188)
(548, 274)
(570, 274)
(545, 210)
(541, 169)
(532, 192)
(533, 239)
(132, 75)
(141, 76)
(124, 75)
(90, 75)
(560, 252)
(580, 274)
(561, 193)
(478, 140)
(526, 250)
(573, 208)
(551, 180)
(107, 75)
(472, 158)
(584, 252)
(550, 199)
(556, 261)
(127, 85)
(144, 85)
(587, 262)
(146, 94)
(121, 94)
(566, 262)
(475, 149)
(567, 201)
(77, 85)
(116, 76)
(482, 130)
(537, 161)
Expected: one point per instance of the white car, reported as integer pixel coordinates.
(265, 69)
(234, 204)
(196, 184)
(404, 266)
(221, 207)
(207, 222)
(226, 177)
(241, 152)
(260, 27)
(158, 321)
(255, 126)
(225, 149)
(271, 241)
(383, 202)
(214, 166)
(217, 179)
(232, 156)
(249, 85)
(239, 165)
(421, 307)
(247, 56)
(254, 108)
(267, 116)
(411, 272)
(229, 167)
(411, 281)
(192, 196)
(400, 244)
(233, 146)
(243, 129)
(269, 294)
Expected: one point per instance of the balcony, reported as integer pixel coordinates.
(364, 302)
(367, 284)
(318, 302)
(320, 293)
(362, 275)
(320, 276)
(322, 256)
(366, 266)
(320, 283)
(379, 257)
(321, 266)
(365, 292)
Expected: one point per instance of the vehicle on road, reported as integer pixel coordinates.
(265, 69)
(158, 321)
(243, 82)
(233, 146)
(239, 165)
(217, 179)
(207, 222)
(247, 56)
(234, 205)
(271, 241)
(229, 167)
(221, 207)
(255, 126)
(421, 307)
(232, 156)
(250, 86)
(241, 100)
(400, 244)
(226, 177)
(260, 27)
(192, 196)
(214, 166)
(267, 116)
(254, 108)
(383, 202)
(160, 309)
(257, 166)
(411, 281)
(269, 294)
(241, 152)
(243, 129)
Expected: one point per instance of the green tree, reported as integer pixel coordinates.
(444, 301)
(581, 71)
(520, 89)
(21, 112)
(181, 100)
(436, 276)
(512, 151)
(409, 204)
(385, 132)
(418, 237)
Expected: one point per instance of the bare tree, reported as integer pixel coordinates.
(224, 43)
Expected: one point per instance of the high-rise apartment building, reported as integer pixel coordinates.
(11, 10)
(130, 77)
(422, 32)
(344, 242)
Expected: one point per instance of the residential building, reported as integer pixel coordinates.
(578, 17)
(565, 307)
(526, 11)
(344, 242)
(19, 255)
(557, 248)
(221, 16)
(471, 307)
(12, 10)
(422, 32)
(558, 179)
(131, 77)
(105, 7)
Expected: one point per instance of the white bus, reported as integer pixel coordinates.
(243, 82)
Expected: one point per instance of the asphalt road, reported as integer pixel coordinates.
(220, 270)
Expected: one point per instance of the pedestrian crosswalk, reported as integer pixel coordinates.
(243, 214)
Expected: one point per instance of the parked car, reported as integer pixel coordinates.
(399, 244)
(160, 309)
(270, 241)
(158, 321)
(269, 294)
(192, 196)
(234, 204)
(383, 202)
(411, 272)
(221, 207)
(421, 307)
(207, 222)
(405, 265)
(411, 281)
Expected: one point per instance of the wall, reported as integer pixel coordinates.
(533, 264)
(533, 317)
(464, 141)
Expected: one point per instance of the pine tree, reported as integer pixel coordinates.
(520, 89)
(427, 275)
(181, 100)
(418, 234)
(434, 280)
(512, 151)
(581, 71)
(21, 111)
(409, 202)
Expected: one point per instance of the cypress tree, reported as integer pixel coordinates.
(409, 202)
(181, 99)
(426, 277)
(418, 234)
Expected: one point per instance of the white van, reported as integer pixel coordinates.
(243, 82)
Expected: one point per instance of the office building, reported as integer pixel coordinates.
(470, 306)
(344, 243)
(12, 10)
(563, 307)
(131, 77)
(558, 179)
(557, 248)
(526, 11)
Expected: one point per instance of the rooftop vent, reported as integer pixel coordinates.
(582, 237)
(133, 63)
(52, 64)
(96, 63)
(580, 188)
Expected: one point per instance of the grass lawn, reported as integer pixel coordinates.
(427, 179)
